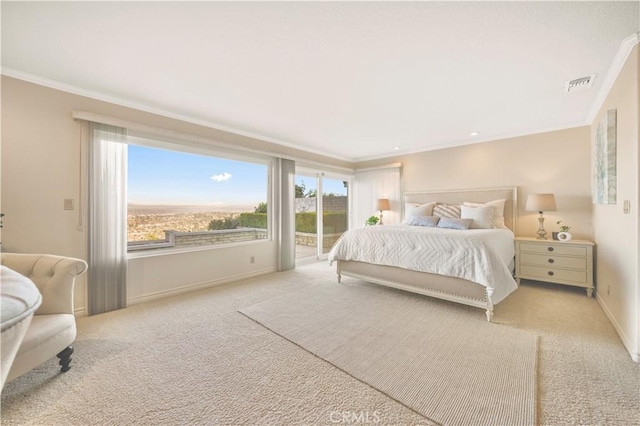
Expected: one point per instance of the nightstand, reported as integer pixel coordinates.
(569, 263)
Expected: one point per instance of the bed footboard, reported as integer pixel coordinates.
(442, 287)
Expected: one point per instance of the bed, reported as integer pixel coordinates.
(483, 281)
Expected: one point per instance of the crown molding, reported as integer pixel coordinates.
(75, 90)
(619, 60)
(383, 166)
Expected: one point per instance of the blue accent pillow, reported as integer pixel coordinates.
(454, 223)
(431, 221)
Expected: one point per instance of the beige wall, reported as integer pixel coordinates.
(41, 167)
(616, 233)
(557, 162)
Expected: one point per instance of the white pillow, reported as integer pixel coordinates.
(498, 218)
(415, 209)
(482, 216)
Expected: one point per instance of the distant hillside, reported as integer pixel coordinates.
(169, 209)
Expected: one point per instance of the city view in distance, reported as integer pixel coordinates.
(148, 222)
(183, 191)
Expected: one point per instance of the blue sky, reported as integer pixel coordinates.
(163, 177)
(159, 176)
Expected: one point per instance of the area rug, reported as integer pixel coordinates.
(440, 359)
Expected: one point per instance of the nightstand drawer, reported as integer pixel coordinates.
(554, 249)
(550, 274)
(554, 261)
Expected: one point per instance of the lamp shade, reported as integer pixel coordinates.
(382, 204)
(541, 203)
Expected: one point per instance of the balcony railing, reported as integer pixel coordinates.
(178, 239)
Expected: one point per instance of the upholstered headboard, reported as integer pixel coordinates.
(459, 196)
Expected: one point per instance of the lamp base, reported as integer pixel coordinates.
(541, 232)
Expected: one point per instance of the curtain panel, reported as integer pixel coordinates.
(107, 217)
(286, 206)
(373, 184)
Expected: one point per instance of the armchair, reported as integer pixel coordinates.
(53, 326)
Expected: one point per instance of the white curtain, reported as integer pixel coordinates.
(286, 213)
(373, 184)
(107, 218)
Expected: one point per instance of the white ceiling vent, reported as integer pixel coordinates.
(579, 83)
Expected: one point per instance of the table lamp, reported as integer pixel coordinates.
(382, 204)
(541, 203)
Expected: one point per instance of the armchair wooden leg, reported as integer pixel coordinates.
(65, 358)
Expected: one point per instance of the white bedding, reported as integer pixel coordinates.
(479, 255)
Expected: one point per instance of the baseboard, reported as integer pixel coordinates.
(197, 286)
(635, 356)
(80, 312)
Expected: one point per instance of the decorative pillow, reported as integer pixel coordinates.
(446, 210)
(454, 223)
(431, 221)
(498, 219)
(482, 217)
(415, 209)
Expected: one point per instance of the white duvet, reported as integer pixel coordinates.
(479, 255)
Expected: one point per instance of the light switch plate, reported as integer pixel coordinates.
(68, 204)
(626, 206)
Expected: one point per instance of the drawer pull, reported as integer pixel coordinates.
(551, 260)
(550, 248)
(550, 273)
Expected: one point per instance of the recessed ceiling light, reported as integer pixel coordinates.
(396, 148)
(474, 134)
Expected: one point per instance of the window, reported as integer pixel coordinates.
(179, 199)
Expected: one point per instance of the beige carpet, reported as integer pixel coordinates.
(453, 369)
(193, 359)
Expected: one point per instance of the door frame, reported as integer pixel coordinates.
(319, 175)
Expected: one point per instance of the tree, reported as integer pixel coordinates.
(150, 236)
(300, 190)
(229, 222)
(261, 208)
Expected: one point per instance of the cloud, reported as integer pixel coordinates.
(222, 177)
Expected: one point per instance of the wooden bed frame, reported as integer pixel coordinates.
(439, 286)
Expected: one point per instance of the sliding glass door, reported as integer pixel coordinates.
(306, 217)
(335, 211)
(322, 212)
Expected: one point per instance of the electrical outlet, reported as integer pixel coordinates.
(252, 259)
(68, 204)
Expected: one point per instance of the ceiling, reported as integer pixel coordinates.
(351, 80)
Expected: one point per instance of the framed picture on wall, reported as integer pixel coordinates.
(604, 160)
